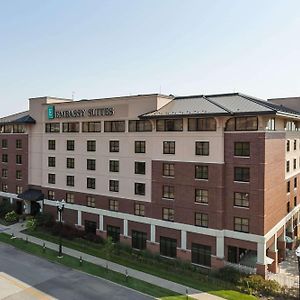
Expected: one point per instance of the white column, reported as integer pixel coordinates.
(125, 227)
(292, 224)
(152, 233)
(183, 240)
(220, 247)
(11, 200)
(101, 222)
(274, 245)
(79, 220)
(261, 253)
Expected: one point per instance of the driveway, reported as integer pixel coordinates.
(23, 276)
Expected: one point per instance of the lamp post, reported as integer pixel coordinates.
(60, 207)
(298, 257)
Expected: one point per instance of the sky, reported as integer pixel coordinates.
(105, 48)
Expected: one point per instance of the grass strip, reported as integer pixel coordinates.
(71, 262)
(194, 280)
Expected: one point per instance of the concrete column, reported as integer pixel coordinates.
(152, 233)
(261, 253)
(101, 222)
(125, 227)
(11, 200)
(220, 247)
(79, 218)
(274, 245)
(183, 240)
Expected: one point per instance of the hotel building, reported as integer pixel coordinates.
(208, 179)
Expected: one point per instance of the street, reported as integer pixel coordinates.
(23, 276)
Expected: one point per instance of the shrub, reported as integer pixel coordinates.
(93, 238)
(67, 231)
(5, 207)
(31, 224)
(229, 274)
(44, 219)
(11, 217)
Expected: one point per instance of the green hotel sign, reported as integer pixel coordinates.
(79, 113)
(51, 112)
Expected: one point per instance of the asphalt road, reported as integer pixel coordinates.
(23, 276)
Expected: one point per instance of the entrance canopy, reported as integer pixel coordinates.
(32, 195)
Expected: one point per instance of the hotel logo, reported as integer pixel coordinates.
(51, 112)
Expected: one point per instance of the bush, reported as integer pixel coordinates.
(11, 217)
(229, 274)
(5, 207)
(256, 285)
(44, 219)
(67, 231)
(31, 224)
(93, 238)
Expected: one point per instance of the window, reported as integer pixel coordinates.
(5, 158)
(91, 146)
(52, 127)
(4, 187)
(201, 219)
(70, 145)
(295, 201)
(287, 145)
(113, 205)
(241, 224)
(201, 172)
(168, 246)
(295, 182)
(139, 209)
(91, 164)
(70, 163)
(90, 201)
(295, 144)
(6, 128)
(287, 166)
(114, 186)
(4, 173)
(168, 192)
(51, 144)
(18, 144)
(70, 198)
(169, 147)
(19, 189)
(114, 126)
(70, 180)
(114, 166)
(139, 167)
(18, 174)
(242, 174)
(242, 124)
(139, 189)
(242, 149)
(114, 233)
(91, 126)
(139, 240)
(168, 170)
(18, 159)
(4, 144)
(169, 125)
(51, 178)
(288, 187)
(168, 214)
(291, 126)
(91, 183)
(201, 196)
(140, 126)
(201, 255)
(140, 147)
(51, 161)
(241, 199)
(295, 163)
(51, 195)
(201, 124)
(202, 148)
(114, 146)
(271, 124)
(18, 128)
(288, 207)
(71, 127)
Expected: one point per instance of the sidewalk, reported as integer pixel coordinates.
(178, 288)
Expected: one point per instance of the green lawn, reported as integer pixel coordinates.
(89, 268)
(185, 277)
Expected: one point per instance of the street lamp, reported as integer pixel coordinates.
(60, 207)
(298, 257)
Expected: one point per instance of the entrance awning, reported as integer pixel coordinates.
(269, 260)
(31, 195)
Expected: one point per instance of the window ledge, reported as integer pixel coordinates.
(201, 179)
(241, 156)
(236, 181)
(244, 207)
(202, 203)
(169, 199)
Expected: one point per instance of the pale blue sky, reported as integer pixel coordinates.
(103, 48)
